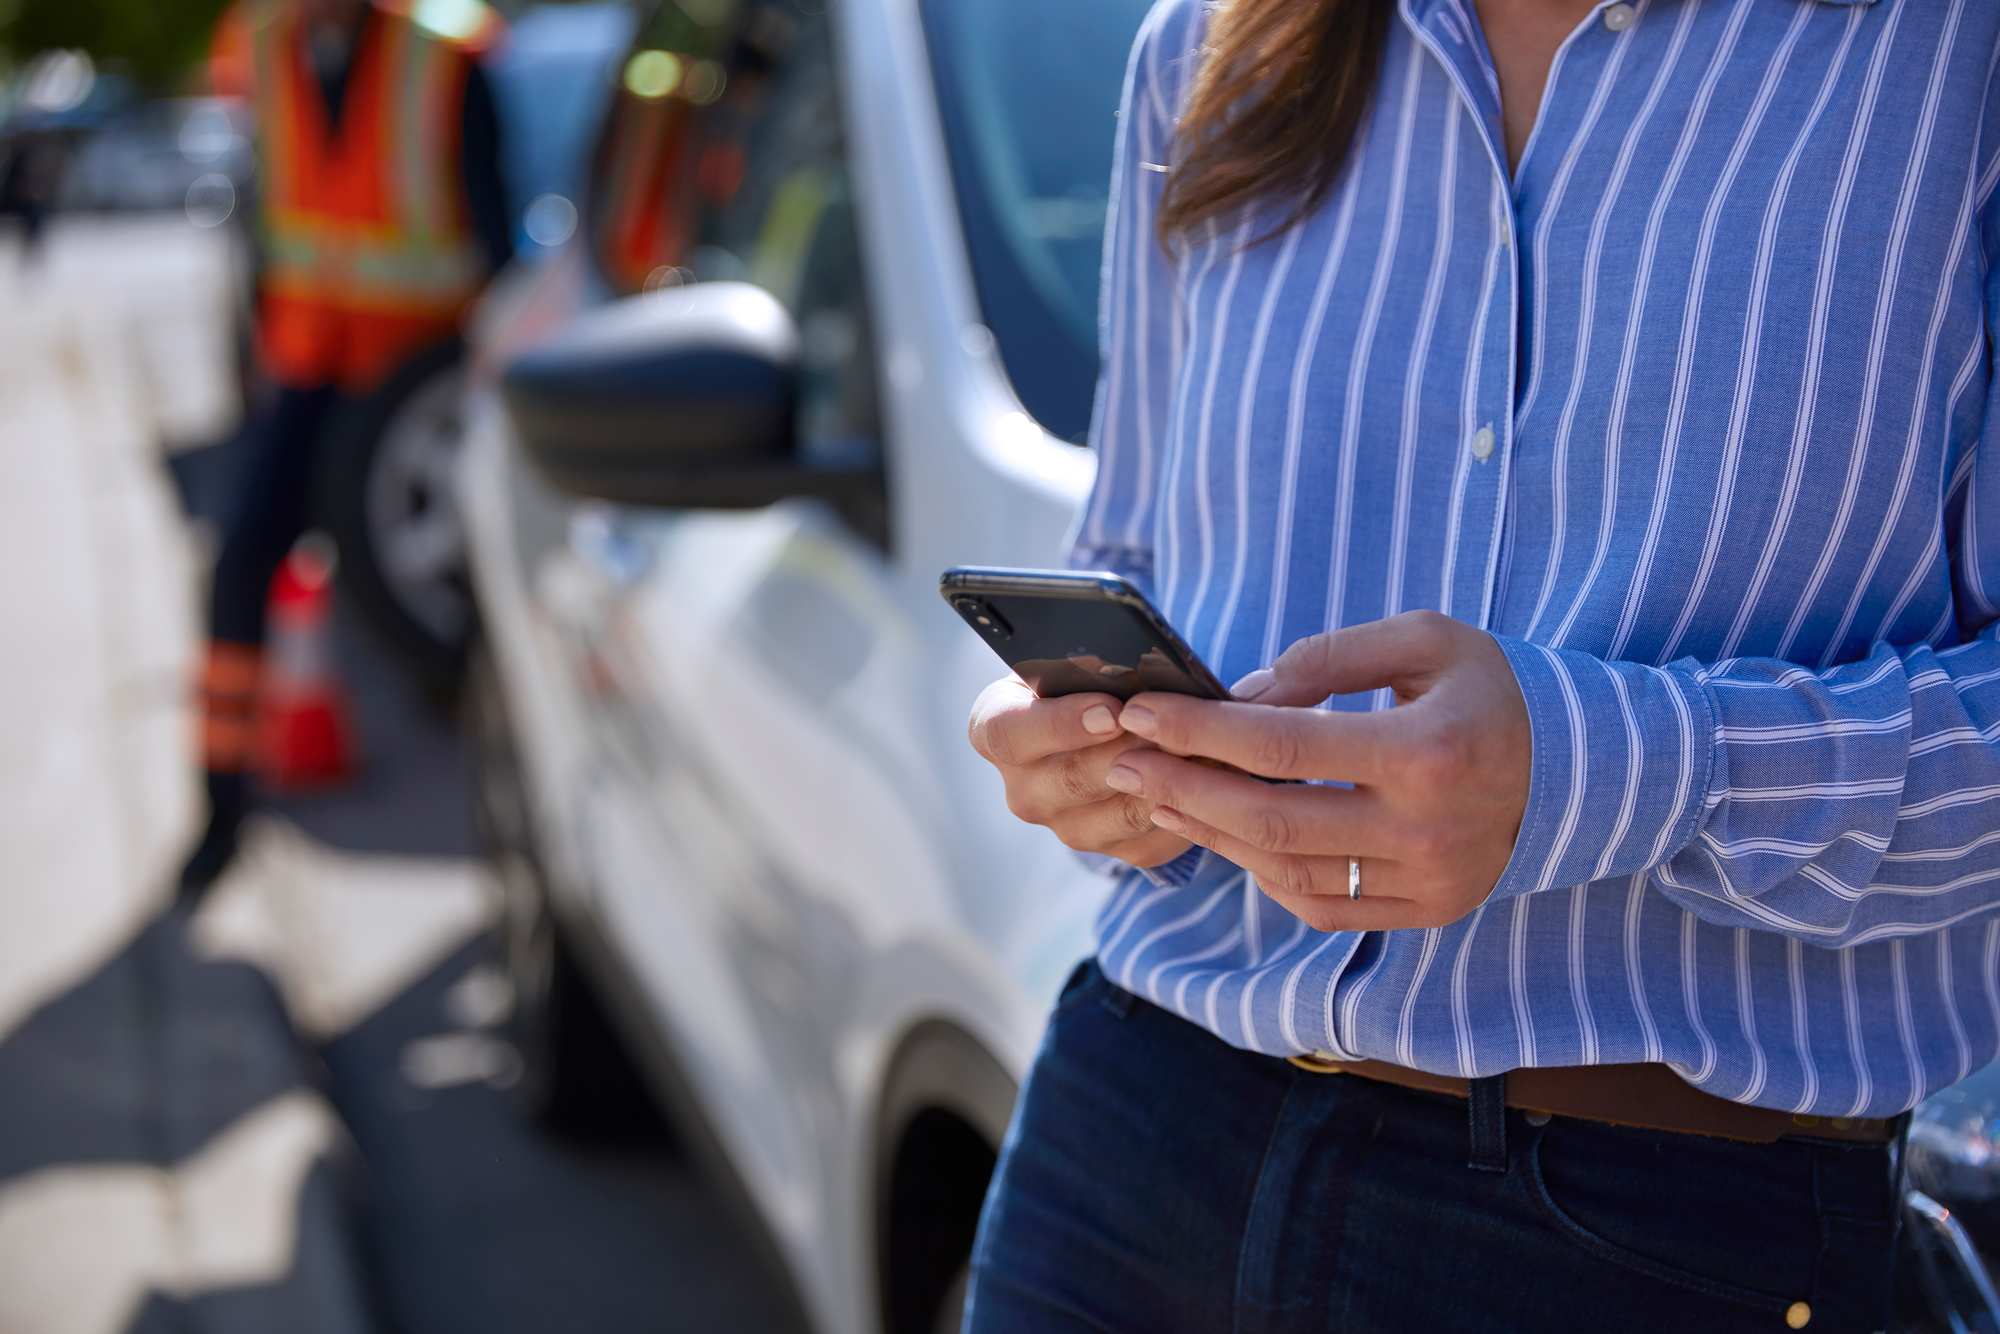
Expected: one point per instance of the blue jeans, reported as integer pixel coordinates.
(1157, 1179)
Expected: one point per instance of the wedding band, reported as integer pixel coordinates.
(1353, 877)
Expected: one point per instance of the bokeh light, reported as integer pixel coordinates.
(58, 81)
(652, 74)
(550, 220)
(210, 200)
(705, 82)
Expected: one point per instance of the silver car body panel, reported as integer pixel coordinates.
(744, 733)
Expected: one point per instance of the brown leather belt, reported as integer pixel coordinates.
(1652, 1097)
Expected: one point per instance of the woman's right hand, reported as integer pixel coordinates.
(1053, 755)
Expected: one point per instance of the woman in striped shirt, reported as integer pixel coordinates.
(1582, 405)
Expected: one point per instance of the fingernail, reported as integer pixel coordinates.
(1098, 719)
(1169, 819)
(1138, 718)
(1124, 779)
(1254, 684)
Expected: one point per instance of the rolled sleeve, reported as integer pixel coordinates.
(1167, 875)
(1624, 760)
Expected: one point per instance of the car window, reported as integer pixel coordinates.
(778, 211)
(726, 159)
(641, 213)
(1029, 94)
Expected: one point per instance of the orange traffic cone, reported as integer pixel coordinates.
(304, 737)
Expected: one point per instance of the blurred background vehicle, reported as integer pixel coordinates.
(1951, 1209)
(165, 154)
(78, 139)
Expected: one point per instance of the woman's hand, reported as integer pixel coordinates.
(1053, 754)
(1440, 781)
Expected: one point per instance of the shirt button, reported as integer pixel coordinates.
(1798, 1315)
(1482, 442)
(1618, 18)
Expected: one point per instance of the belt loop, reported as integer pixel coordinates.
(1117, 1001)
(1899, 1160)
(1489, 1124)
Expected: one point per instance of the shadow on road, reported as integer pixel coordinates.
(473, 1219)
(477, 1222)
(146, 1096)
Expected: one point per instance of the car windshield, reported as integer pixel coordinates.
(1029, 92)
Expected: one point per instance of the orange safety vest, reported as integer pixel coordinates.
(368, 252)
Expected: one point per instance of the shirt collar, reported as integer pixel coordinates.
(1451, 29)
(1423, 13)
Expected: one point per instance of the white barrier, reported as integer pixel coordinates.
(117, 344)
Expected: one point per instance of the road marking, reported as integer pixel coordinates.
(98, 799)
(81, 1246)
(340, 933)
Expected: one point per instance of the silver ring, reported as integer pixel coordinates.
(1353, 877)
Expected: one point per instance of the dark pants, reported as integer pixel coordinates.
(273, 496)
(1157, 1179)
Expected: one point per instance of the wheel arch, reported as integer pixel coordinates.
(945, 1107)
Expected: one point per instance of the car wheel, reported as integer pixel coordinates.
(576, 1078)
(951, 1311)
(391, 505)
(945, 1108)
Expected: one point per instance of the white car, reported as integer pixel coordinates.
(828, 328)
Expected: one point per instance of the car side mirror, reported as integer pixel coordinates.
(686, 398)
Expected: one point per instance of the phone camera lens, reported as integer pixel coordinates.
(984, 619)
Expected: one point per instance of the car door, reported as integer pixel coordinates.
(760, 817)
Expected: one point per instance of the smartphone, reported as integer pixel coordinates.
(1065, 632)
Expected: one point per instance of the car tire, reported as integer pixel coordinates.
(951, 1311)
(389, 500)
(576, 1078)
(945, 1107)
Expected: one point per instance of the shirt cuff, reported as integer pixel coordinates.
(1178, 872)
(1167, 875)
(1624, 758)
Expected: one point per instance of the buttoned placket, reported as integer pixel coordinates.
(1487, 453)
(1447, 29)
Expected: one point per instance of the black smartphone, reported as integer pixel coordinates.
(1066, 632)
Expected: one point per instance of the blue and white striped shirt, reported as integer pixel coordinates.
(1691, 416)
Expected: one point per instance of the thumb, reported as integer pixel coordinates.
(1405, 652)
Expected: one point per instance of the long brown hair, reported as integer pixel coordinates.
(1283, 87)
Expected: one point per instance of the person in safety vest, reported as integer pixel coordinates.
(382, 217)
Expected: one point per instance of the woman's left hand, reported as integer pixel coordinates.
(1439, 783)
